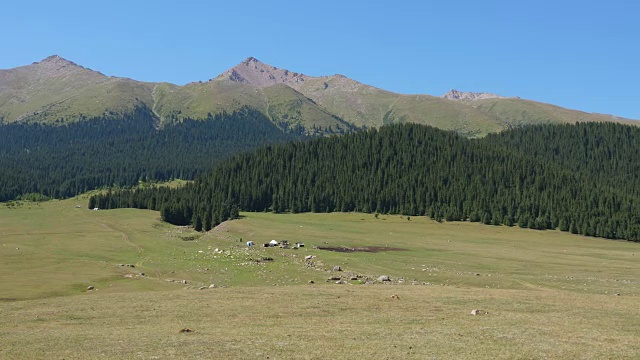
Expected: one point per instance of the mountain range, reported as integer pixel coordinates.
(56, 90)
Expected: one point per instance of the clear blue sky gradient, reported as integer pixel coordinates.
(582, 55)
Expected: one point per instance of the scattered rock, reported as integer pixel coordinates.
(477, 274)
(337, 268)
(339, 282)
(202, 288)
(478, 312)
(384, 278)
(334, 278)
(89, 288)
(309, 257)
(184, 282)
(311, 282)
(467, 95)
(185, 330)
(617, 294)
(142, 274)
(212, 286)
(353, 278)
(395, 297)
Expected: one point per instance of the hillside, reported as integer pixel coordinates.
(63, 161)
(580, 178)
(57, 90)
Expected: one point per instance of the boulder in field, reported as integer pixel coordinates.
(478, 312)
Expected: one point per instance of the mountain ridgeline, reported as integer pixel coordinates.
(582, 178)
(121, 151)
(59, 91)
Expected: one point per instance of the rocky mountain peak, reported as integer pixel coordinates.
(56, 60)
(467, 95)
(256, 73)
(250, 60)
(55, 65)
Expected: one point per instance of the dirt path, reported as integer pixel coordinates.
(125, 237)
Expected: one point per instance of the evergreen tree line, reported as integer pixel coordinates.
(582, 178)
(65, 160)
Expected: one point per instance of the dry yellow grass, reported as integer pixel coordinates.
(324, 322)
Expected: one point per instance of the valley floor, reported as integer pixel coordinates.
(547, 294)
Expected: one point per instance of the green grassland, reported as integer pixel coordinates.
(548, 294)
(27, 93)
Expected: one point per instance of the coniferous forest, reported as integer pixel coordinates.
(581, 178)
(66, 160)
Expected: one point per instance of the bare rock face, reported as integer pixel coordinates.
(55, 66)
(467, 95)
(256, 73)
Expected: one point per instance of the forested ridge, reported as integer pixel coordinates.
(582, 178)
(66, 160)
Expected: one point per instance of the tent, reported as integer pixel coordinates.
(273, 243)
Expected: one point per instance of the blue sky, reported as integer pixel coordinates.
(578, 54)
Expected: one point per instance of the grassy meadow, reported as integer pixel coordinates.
(548, 294)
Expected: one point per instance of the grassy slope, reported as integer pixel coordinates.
(444, 114)
(56, 88)
(29, 94)
(288, 105)
(197, 100)
(350, 100)
(365, 105)
(279, 102)
(516, 112)
(549, 294)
